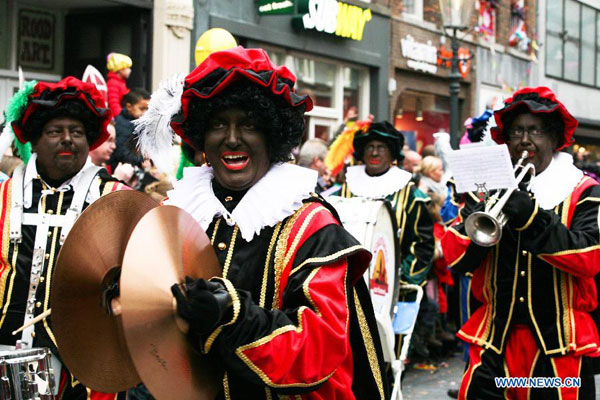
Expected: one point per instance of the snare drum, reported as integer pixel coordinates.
(372, 223)
(26, 375)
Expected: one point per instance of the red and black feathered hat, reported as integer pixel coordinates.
(529, 97)
(50, 95)
(223, 68)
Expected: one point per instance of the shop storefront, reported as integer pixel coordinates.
(49, 39)
(421, 103)
(338, 50)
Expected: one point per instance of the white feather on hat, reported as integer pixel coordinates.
(153, 129)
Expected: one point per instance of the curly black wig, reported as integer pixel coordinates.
(71, 109)
(282, 124)
(553, 122)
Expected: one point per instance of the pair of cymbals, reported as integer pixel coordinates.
(151, 248)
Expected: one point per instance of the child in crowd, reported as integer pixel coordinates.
(119, 69)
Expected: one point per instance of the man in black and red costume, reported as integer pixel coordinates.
(291, 314)
(61, 122)
(537, 284)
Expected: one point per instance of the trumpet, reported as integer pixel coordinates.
(485, 227)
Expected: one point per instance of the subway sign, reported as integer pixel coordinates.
(332, 17)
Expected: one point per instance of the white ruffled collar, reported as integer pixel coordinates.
(276, 196)
(31, 173)
(376, 187)
(556, 182)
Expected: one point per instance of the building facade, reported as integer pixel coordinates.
(419, 57)
(338, 50)
(498, 57)
(570, 64)
(50, 39)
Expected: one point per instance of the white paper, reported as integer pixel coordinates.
(482, 169)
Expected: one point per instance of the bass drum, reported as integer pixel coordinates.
(372, 223)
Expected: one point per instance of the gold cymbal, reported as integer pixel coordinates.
(91, 341)
(165, 246)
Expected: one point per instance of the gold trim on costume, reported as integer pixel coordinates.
(230, 251)
(306, 291)
(531, 217)
(329, 258)
(214, 234)
(280, 253)
(5, 245)
(226, 392)
(514, 291)
(236, 312)
(569, 252)
(279, 331)
(55, 236)
(369, 346)
(263, 287)
(530, 308)
(468, 386)
(595, 199)
(300, 233)
(555, 286)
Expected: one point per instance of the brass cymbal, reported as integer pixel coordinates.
(165, 246)
(91, 341)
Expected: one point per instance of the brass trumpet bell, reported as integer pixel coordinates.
(485, 227)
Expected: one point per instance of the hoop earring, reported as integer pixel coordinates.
(205, 160)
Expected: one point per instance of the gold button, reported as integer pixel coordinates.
(47, 256)
(38, 304)
(522, 299)
(522, 273)
(50, 212)
(524, 253)
(42, 279)
(228, 198)
(32, 334)
(221, 246)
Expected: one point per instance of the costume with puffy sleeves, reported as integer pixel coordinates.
(537, 284)
(35, 219)
(300, 323)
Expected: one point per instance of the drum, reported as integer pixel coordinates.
(26, 375)
(372, 223)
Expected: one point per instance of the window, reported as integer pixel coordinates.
(573, 42)
(413, 8)
(334, 87)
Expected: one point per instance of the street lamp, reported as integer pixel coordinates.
(456, 16)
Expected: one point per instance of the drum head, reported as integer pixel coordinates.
(372, 223)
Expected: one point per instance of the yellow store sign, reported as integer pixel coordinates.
(333, 17)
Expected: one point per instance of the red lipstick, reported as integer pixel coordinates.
(235, 161)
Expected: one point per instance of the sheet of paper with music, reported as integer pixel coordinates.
(481, 168)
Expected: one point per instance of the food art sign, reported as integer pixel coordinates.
(333, 17)
(35, 39)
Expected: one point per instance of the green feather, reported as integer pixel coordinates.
(183, 162)
(14, 111)
(18, 103)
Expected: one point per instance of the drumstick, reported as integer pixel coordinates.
(33, 321)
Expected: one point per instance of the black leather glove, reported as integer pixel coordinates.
(518, 208)
(470, 208)
(203, 305)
